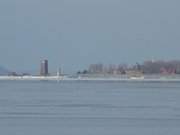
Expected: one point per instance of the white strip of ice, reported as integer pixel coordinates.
(65, 78)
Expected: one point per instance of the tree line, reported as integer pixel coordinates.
(147, 67)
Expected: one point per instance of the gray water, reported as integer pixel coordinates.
(89, 108)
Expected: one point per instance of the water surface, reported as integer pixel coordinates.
(89, 108)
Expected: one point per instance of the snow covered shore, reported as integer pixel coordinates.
(66, 78)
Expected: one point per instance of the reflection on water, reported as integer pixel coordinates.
(93, 108)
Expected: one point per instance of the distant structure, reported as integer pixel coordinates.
(44, 68)
(59, 72)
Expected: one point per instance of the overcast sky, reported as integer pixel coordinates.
(75, 33)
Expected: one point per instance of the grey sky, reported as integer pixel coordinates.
(75, 33)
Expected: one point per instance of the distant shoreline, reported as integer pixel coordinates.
(66, 78)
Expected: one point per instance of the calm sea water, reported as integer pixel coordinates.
(89, 108)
